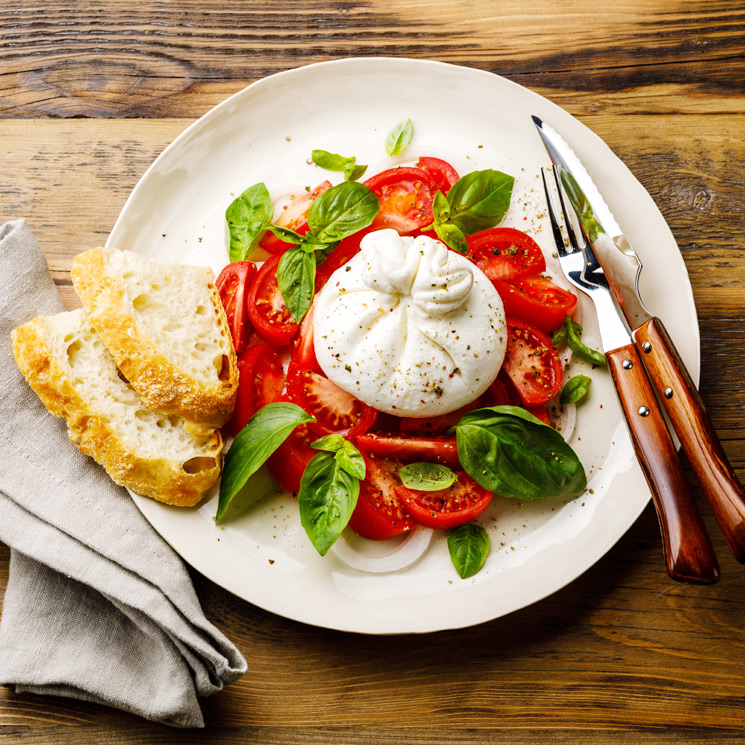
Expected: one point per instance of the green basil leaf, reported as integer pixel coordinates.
(512, 453)
(342, 210)
(575, 389)
(264, 432)
(248, 217)
(351, 460)
(326, 500)
(440, 207)
(330, 161)
(287, 235)
(479, 200)
(296, 276)
(426, 476)
(452, 236)
(580, 348)
(399, 137)
(468, 546)
(353, 171)
(329, 443)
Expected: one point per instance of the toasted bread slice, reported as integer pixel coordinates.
(166, 329)
(67, 364)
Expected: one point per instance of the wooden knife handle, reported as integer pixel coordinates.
(688, 551)
(681, 400)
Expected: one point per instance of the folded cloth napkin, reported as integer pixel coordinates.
(98, 607)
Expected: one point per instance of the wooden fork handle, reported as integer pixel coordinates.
(689, 555)
(691, 423)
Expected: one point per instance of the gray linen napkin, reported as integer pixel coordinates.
(98, 607)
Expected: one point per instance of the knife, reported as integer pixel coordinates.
(689, 555)
(670, 378)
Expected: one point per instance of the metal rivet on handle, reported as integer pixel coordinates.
(643, 411)
(647, 347)
(627, 364)
(668, 392)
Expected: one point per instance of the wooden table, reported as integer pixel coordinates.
(91, 93)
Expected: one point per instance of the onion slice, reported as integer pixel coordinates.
(563, 417)
(406, 553)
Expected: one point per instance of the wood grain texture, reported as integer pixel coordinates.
(91, 92)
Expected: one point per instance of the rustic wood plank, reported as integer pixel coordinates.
(163, 59)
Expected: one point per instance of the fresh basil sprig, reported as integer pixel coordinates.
(509, 451)
(476, 201)
(569, 332)
(468, 546)
(248, 216)
(575, 389)
(333, 162)
(399, 137)
(426, 476)
(264, 432)
(329, 489)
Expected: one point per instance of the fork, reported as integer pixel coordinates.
(689, 555)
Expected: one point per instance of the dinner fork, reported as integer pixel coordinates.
(689, 555)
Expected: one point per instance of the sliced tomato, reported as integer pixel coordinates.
(295, 217)
(233, 284)
(459, 504)
(405, 196)
(505, 393)
(302, 346)
(537, 300)
(347, 249)
(435, 449)
(266, 308)
(505, 253)
(532, 363)
(335, 410)
(380, 513)
(287, 463)
(261, 380)
(441, 174)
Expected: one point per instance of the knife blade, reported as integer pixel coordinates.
(670, 378)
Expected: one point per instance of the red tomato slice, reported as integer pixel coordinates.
(538, 301)
(347, 249)
(302, 347)
(435, 449)
(505, 253)
(287, 463)
(266, 308)
(261, 382)
(334, 409)
(379, 513)
(532, 363)
(405, 196)
(448, 508)
(295, 217)
(441, 174)
(504, 392)
(233, 284)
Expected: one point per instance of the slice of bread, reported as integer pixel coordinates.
(67, 364)
(166, 329)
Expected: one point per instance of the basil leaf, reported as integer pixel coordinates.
(342, 210)
(351, 460)
(326, 500)
(426, 476)
(575, 390)
(479, 200)
(452, 236)
(330, 443)
(440, 207)
(330, 161)
(353, 171)
(264, 432)
(511, 452)
(285, 234)
(581, 349)
(468, 546)
(248, 217)
(399, 137)
(296, 276)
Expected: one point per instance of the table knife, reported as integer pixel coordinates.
(670, 378)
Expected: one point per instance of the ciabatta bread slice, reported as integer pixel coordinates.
(166, 329)
(67, 364)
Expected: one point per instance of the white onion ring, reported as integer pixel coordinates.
(408, 552)
(563, 417)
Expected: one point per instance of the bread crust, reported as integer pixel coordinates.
(159, 478)
(159, 382)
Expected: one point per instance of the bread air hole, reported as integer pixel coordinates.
(142, 302)
(222, 365)
(195, 465)
(73, 352)
(201, 310)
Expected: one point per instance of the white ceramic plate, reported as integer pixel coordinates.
(474, 120)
